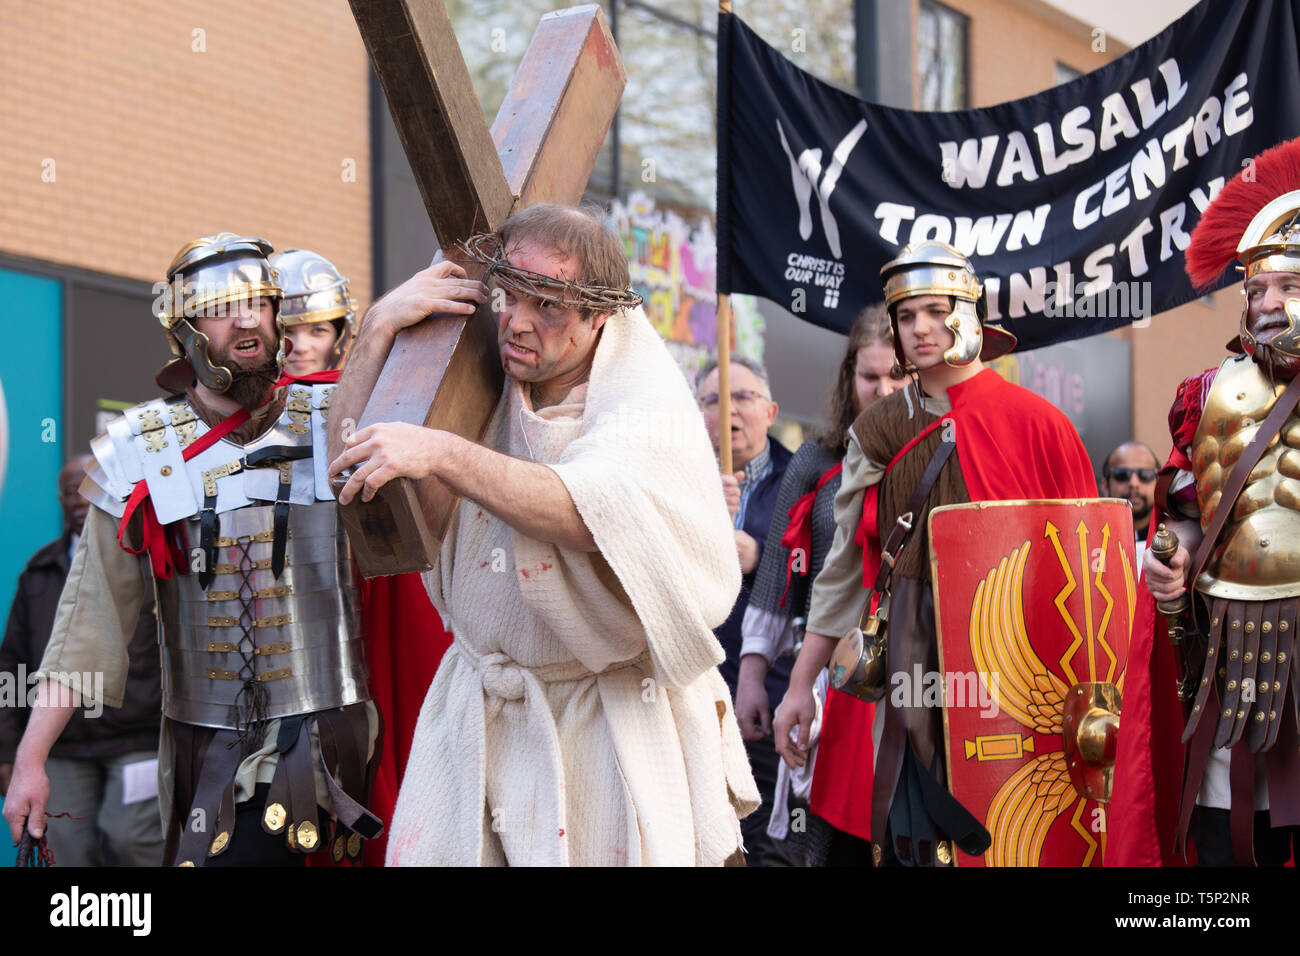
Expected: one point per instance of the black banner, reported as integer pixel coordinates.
(1074, 204)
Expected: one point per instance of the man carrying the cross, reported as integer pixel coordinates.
(578, 717)
(217, 499)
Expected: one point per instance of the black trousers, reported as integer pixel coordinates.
(764, 763)
(1273, 845)
(848, 850)
(253, 846)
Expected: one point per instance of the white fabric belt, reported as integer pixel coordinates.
(520, 748)
(504, 678)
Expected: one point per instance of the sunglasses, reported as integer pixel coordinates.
(1124, 474)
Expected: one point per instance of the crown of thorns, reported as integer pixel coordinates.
(486, 249)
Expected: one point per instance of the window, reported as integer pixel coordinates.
(941, 57)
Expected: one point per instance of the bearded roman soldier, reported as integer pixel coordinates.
(1231, 494)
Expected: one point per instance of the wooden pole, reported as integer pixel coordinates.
(724, 384)
(724, 358)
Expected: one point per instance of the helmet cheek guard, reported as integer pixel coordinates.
(195, 344)
(967, 334)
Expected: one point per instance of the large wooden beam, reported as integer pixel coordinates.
(565, 93)
(446, 373)
(438, 119)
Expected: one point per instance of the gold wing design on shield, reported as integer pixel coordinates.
(1025, 806)
(1014, 675)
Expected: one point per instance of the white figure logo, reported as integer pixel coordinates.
(805, 173)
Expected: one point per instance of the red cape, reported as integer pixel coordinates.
(1149, 758)
(405, 641)
(1143, 811)
(1010, 444)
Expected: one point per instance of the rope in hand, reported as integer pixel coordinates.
(34, 851)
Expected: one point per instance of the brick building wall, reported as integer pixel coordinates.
(132, 127)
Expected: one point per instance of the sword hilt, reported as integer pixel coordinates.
(1177, 613)
(1164, 546)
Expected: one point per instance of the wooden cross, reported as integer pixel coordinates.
(446, 372)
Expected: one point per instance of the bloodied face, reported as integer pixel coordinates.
(546, 344)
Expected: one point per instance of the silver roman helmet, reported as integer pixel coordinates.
(936, 268)
(209, 273)
(314, 291)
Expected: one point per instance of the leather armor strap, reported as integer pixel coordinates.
(209, 529)
(372, 767)
(1223, 617)
(1243, 646)
(338, 749)
(279, 455)
(302, 788)
(273, 454)
(1241, 812)
(1250, 457)
(905, 522)
(889, 770)
(1198, 756)
(951, 817)
(225, 820)
(276, 813)
(183, 744)
(280, 525)
(220, 760)
(1270, 681)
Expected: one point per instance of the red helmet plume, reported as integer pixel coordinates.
(1214, 240)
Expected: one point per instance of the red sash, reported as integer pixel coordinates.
(164, 555)
(798, 533)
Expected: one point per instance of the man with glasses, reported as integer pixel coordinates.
(1130, 472)
(760, 464)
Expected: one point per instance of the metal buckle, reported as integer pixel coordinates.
(299, 411)
(152, 430)
(184, 423)
(221, 471)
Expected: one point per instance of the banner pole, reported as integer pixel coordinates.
(724, 358)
